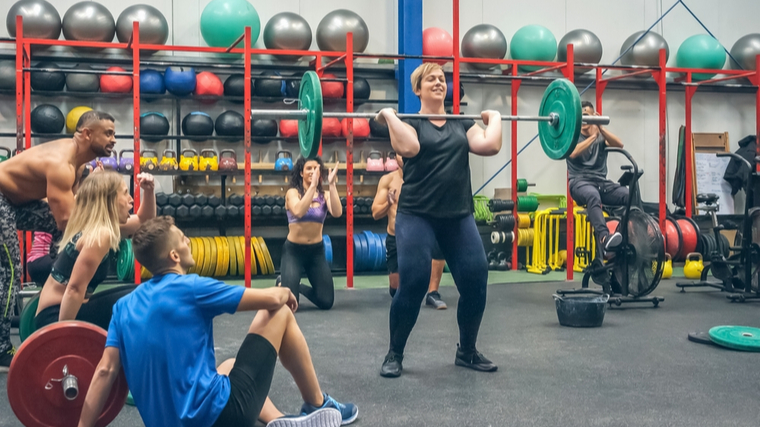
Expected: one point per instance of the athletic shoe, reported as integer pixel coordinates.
(434, 300)
(613, 241)
(278, 281)
(474, 360)
(348, 411)
(325, 417)
(6, 359)
(392, 365)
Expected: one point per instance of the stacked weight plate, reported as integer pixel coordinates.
(369, 251)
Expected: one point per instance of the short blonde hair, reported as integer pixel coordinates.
(420, 72)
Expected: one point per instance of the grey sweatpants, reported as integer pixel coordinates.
(592, 193)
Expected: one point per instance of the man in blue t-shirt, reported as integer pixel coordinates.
(162, 333)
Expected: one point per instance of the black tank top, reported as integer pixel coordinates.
(64, 265)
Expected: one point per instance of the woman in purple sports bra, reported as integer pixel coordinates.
(307, 205)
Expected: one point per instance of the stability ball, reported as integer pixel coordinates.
(332, 30)
(78, 82)
(73, 117)
(47, 80)
(41, 19)
(586, 48)
(153, 125)
(646, 52)
(287, 31)
(198, 124)
(484, 41)
(745, 50)
(115, 83)
(152, 81)
(230, 123)
(223, 21)
(88, 21)
(8, 74)
(153, 26)
(208, 84)
(533, 43)
(701, 51)
(47, 118)
(437, 42)
(180, 81)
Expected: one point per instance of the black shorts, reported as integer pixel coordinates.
(391, 256)
(250, 379)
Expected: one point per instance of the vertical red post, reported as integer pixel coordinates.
(455, 78)
(688, 153)
(515, 89)
(663, 112)
(350, 162)
(600, 86)
(757, 110)
(570, 223)
(20, 59)
(136, 121)
(247, 153)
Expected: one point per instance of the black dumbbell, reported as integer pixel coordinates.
(207, 212)
(343, 201)
(188, 200)
(269, 200)
(257, 201)
(195, 211)
(256, 210)
(236, 200)
(359, 201)
(201, 199)
(169, 211)
(233, 211)
(161, 199)
(183, 212)
(220, 212)
(214, 200)
(175, 200)
(159, 211)
(277, 210)
(279, 201)
(266, 210)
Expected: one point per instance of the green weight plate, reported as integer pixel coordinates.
(26, 325)
(123, 260)
(310, 129)
(559, 140)
(736, 337)
(130, 400)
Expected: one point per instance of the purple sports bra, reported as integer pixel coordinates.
(317, 214)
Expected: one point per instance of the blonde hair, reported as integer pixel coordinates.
(96, 210)
(420, 72)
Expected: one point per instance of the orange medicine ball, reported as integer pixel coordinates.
(208, 84)
(288, 128)
(331, 89)
(331, 126)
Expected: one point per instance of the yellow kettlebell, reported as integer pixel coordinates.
(169, 161)
(149, 160)
(563, 257)
(209, 160)
(693, 267)
(188, 163)
(667, 268)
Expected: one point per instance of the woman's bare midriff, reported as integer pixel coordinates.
(305, 233)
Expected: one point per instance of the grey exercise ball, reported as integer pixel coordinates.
(153, 26)
(41, 19)
(287, 30)
(587, 48)
(332, 30)
(76, 82)
(88, 21)
(745, 50)
(484, 41)
(647, 50)
(8, 74)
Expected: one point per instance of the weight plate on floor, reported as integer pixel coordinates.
(378, 252)
(26, 324)
(310, 129)
(226, 263)
(267, 255)
(207, 256)
(743, 338)
(700, 338)
(232, 256)
(357, 252)
(559, 139)
(328, 248)
(370, 265)
(383, 261)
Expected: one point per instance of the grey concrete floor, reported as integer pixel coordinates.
(638, 369)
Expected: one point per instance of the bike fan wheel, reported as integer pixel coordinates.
(644, 253)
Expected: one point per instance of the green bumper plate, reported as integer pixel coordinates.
(26, 325)
(310, 129)
(559, 139)
(742, 338)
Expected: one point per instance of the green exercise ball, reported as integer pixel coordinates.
(223, 21)
(701, 51)
(533, 43)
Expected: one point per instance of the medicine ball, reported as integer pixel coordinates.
(288, 128)
(180, 80)
(361, 128)
(271, 88)
(48, 80)
(47, 118)
(331, 89)
(292, 87)
(73, 117)
(115, 84)
(152, 125)
(378, 130)
(208, 84)
(152, 81)
(235, 86)
(7, 74)
(361, 88)
(77, 82)
(450, 88)
(198, 124)
(263, 128)
(331, 126)
(230, 123)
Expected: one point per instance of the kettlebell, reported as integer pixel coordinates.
(110, 163)
(390, 163)
(209, 161)
(149, 160)
(126, 164)
(169, 161)
(284, 161)
(693, 266)
(189, 163)
(375, 162)
(6, 156)
(667, 269)
(228, 163)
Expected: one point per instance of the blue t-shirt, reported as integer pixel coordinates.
(164, 333)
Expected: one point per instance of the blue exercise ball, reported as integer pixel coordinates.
(152, 81)
(180, 80)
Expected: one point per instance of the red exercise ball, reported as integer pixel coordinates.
(331, 89)
(208, 84)
(437, 42)
(115, 84)
(330, 126)
(361, 128)
(288, 128)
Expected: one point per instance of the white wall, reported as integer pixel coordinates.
(634, 113)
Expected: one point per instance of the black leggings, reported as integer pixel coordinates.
(97, 310)
(462, 247)
(309, 258)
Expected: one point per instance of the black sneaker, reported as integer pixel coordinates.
(613, 241)
(278, 281)
(474, 360)
(434, 300)
(6, 359)
(392, 365)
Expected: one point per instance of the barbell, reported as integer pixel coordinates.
(560, 117)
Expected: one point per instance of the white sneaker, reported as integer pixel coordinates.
(325, 417)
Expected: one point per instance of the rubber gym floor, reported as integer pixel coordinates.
(638, 369)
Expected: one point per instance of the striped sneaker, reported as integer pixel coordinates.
(348, 411)
(325, 417)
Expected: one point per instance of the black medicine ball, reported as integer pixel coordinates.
(263, 128)
(48, 80)
(292, 87)
(235, 86)
(230, 123)
(198, 124)
(378, 130)
(8, 74)
(47, 118)
(77, 82)
(272, 88)
(361, 88)
(153, 124)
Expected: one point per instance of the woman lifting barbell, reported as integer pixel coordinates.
(98, 221)
(436, 205)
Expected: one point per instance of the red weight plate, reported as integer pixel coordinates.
(690, 235)
(39, 402)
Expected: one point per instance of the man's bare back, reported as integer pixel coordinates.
(386, 199)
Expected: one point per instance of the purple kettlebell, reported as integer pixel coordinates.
(126, 164)
(111, 163)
